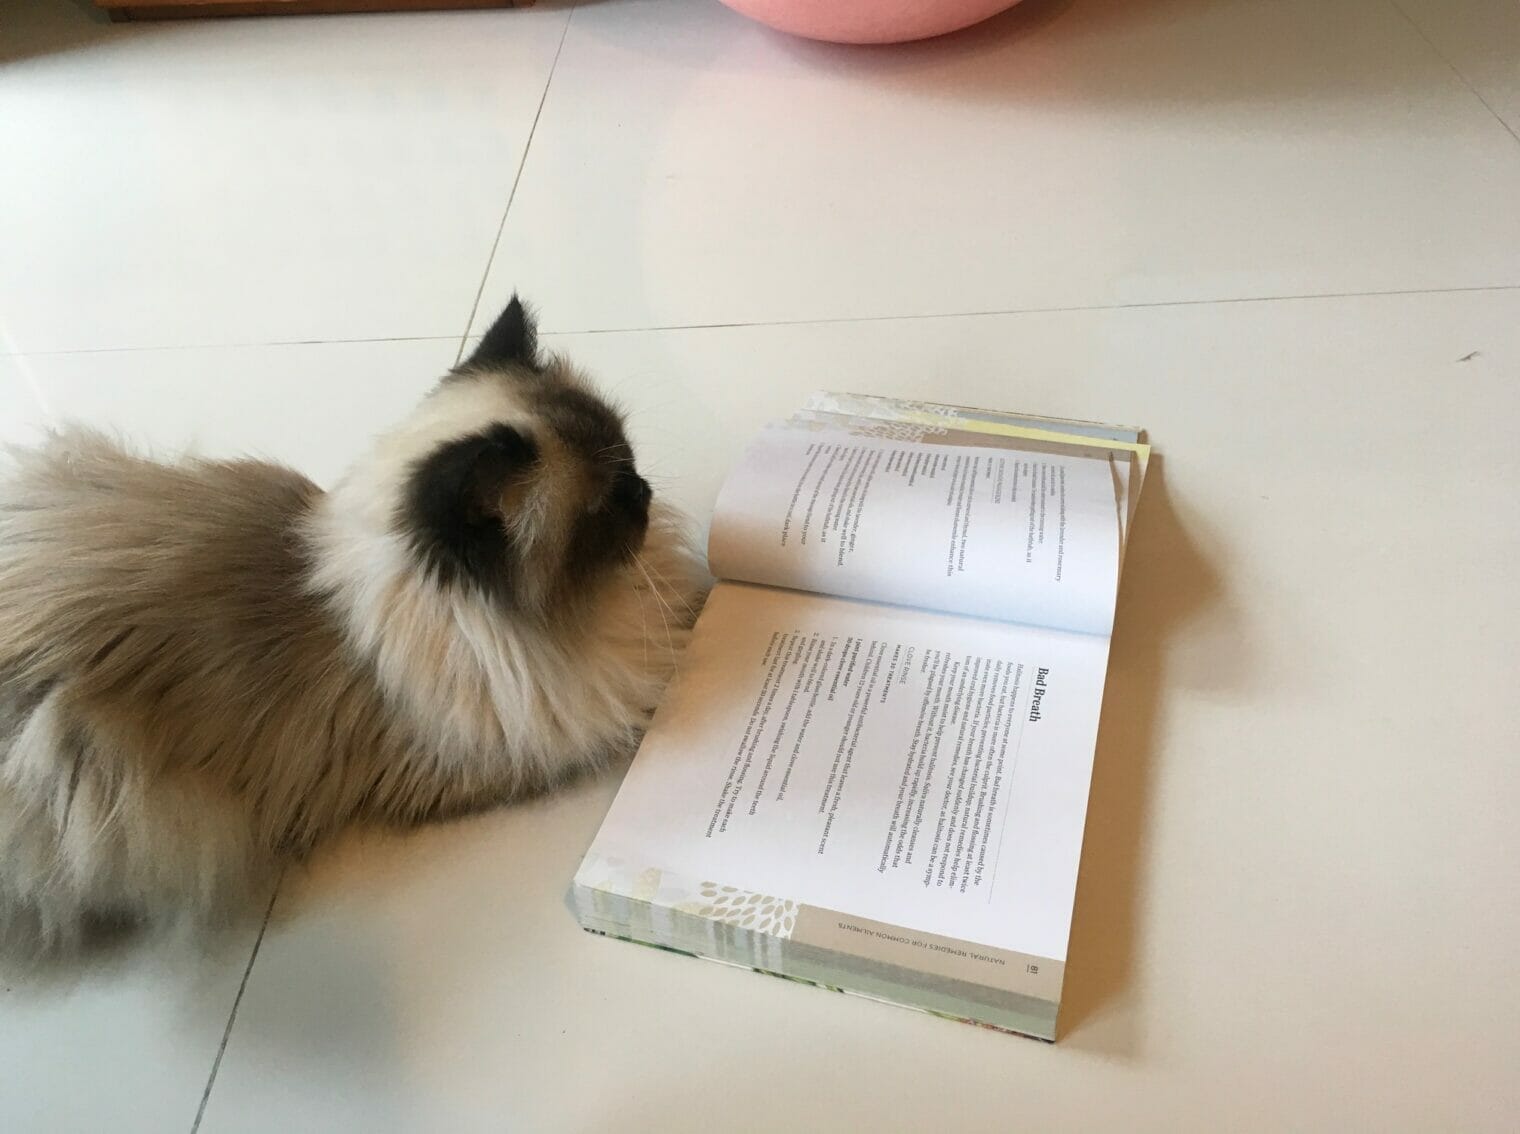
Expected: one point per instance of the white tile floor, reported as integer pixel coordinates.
(1283, 235)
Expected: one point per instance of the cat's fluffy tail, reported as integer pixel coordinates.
(85, 845)
(89, 844)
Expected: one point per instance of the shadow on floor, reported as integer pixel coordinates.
(1168, 582)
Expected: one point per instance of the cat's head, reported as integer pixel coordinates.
(514, 478)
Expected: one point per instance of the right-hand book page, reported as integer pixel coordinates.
(1016, 535)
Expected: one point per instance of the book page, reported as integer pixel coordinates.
(919, 770)
(1127, 467)
(1129, 451)
(1016, 536)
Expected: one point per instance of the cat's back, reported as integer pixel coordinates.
(83, 486)
(91, 532)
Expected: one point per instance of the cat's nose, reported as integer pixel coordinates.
(633, 491)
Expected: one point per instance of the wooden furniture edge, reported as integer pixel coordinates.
(126, 10)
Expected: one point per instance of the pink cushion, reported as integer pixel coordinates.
(869, 21)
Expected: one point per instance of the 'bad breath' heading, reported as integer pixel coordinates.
(1040, 689)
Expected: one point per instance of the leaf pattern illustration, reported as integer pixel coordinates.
(760, 912)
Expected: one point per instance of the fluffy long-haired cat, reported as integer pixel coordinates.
(208, 667)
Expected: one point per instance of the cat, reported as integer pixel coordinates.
(207, 668)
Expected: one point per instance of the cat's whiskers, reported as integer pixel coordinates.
(627, 459)
(643, 621)
(665, 602)
(672, 592)
(663, 607)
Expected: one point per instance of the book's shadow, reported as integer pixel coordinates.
(1167, 581)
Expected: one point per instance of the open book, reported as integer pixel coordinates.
(872, 771)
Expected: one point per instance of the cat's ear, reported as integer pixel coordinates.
(511, 341)
(459, 498)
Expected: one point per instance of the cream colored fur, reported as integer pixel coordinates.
(208, 667)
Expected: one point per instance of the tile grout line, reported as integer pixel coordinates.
(990, 312)
(216, 1064)
(1455, 70)
(826, 321)
(485, 275)
(227, 346)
